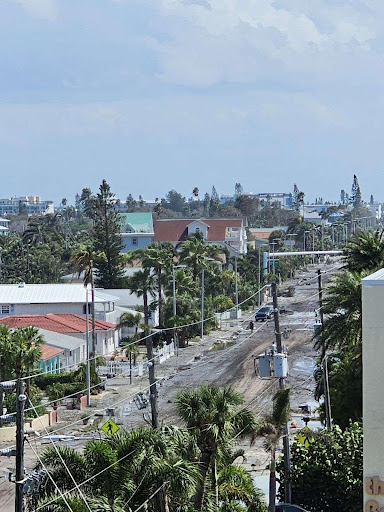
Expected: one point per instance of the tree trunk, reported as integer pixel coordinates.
(272, 482)
(146, 312)
(160, 297)
(205, 461)
(215, 485)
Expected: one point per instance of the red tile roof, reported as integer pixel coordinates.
(56, 322)
(47, 351)
(174, 230)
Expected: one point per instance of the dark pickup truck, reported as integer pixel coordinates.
(264, 313)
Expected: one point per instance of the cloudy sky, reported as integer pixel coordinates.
(162, 94)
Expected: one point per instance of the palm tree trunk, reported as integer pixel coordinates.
(146, 312)
(272, 481)
(205, 461)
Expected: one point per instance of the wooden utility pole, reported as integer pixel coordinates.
(20, 403)
(327, 398)
(286, 448)
(152, 382)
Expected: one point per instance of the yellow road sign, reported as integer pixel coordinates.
(110, 428)
(305, 436)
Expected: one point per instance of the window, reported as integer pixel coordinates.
(134, 241)
(85, 308)
(5, 309)
(197, 230)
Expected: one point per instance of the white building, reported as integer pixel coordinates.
(4, 226)
(373, 391)
(40, 299)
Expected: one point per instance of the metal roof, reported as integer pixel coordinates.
(50, 293)
(60, 340)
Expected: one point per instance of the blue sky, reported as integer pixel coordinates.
(162, 94)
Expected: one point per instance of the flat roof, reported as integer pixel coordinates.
(375, 278)
(58, 293)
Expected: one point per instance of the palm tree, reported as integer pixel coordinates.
(142, 284)
(130, 320)
(195, 192)
(215, 417)
(83, 259)
(364, 251)
(157, 256)
(139, 461)
(272, 429)
(26, 349)
(236, 488)
(195, 253)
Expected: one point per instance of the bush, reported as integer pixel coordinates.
(58, 391)
(43, 381)
(328, 475)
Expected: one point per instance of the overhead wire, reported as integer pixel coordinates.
(61, 458)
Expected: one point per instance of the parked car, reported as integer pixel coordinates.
(284, 507)
(264, 313)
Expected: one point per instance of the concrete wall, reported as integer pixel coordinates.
(9, 433)
(373, 391)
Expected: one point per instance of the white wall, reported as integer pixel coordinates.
(373, 389)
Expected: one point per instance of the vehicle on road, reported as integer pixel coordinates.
(285, 507)
(264, 313)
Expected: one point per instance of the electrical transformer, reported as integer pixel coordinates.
(280, 365)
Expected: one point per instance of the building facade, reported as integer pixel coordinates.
(136, 230)
(31, 205)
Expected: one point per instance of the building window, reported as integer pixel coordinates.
(134, 241)
(5, 309)
(85, 308)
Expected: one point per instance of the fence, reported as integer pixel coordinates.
(122, 367)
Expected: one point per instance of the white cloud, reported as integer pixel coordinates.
(44, 9)
(244, 40)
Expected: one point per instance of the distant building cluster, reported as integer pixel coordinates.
(279, 199)
(29, 205)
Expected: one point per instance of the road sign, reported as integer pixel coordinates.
(110, 428)
(305, 437)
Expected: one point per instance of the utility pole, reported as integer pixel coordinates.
(286, 449)
(88, 369)
(152, 382)
(327, 399)
(202, 305)
(20, 403)
(236, 289)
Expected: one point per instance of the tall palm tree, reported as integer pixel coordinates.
(142, 284)
(83, 260)
(157, 256)
(214, 415)
(272, 429)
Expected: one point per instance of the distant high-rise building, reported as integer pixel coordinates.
(30, 205)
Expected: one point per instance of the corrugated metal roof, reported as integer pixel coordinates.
(140, 222)
(57, 322)
(49, 293)
(64, 341)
